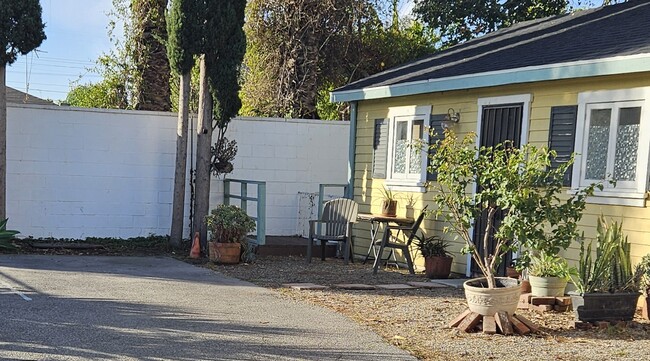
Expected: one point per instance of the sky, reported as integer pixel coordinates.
(77, 35)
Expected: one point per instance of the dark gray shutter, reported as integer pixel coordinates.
(380, 149)
(561, 136)
(436, 133)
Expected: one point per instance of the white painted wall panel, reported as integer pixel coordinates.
(75, 173)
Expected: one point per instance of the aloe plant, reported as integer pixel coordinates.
(611, 268)
(6, 235)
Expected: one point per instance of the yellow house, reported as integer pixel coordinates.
(578, 82)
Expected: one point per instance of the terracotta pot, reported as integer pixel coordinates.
(488, 301)
(437, 266)
(226, 253)
(389, 208)
(525, 286)
(547, 286)
(646, 305)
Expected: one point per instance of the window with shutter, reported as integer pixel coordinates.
(380, 149)
(436, 132)
(613, 143)
(561, 136)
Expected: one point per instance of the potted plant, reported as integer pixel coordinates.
(606, 287)
(228, 226)
(388, 203)
(548, 275)
(642, 274)
(6, 235)
(437, 260)
(509, 181)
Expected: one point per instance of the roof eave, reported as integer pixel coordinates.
(569, 70)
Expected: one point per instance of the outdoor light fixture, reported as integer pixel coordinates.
(451, 118)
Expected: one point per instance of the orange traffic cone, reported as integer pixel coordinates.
(196, 246)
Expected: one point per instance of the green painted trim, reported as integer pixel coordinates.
(582, 69)
(352, 150)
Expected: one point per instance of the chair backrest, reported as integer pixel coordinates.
(339, 210)
(416, 225)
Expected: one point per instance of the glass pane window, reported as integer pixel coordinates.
(415, 157)
(400, 147)
(627, 143)
(597, 143)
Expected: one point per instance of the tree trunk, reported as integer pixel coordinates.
(150, 55)
(3, 143)
(178, 208)
(203, 143)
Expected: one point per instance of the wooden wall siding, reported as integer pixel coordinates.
(545, 95)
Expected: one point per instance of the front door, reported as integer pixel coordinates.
(498, 123)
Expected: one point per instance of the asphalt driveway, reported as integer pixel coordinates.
(157, 308)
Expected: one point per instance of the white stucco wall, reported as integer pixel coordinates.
(75, 173)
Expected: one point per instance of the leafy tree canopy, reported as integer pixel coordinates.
(461, 20)
(21, 28)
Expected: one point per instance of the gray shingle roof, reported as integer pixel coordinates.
(17, 97)
(605, 32)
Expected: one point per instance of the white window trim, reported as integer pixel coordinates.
(508, 99)
(415, 184)
(635, 196)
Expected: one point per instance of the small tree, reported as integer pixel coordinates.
(516, 181)
(21, 31)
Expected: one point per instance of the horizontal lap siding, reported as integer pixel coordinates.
(544, 97)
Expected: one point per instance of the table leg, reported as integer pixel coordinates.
(374, 228)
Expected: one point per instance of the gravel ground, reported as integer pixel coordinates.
(416, 320)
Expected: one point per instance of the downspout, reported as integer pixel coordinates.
(352, 149)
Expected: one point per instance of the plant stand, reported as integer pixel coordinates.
(501, 322)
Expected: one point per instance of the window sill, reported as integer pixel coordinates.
(630, 199)
(400, 185)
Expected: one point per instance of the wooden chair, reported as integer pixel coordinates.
(388, 240)
(335, 225)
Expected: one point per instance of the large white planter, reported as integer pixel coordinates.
(488, 301)
(547, 286)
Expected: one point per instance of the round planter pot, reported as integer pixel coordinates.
(226, 253)
(488, 301)
(547, 286)
(437, 267)
(591, 307)
(389, 208)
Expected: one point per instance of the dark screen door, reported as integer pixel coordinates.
(498, 124)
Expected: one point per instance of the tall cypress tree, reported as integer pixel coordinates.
(223, 49)
(184, 37)
(21, 31)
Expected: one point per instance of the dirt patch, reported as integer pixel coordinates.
(416, 319)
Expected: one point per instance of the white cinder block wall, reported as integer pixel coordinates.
(291, 156)
(75, 173)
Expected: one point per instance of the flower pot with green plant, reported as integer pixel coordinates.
(6, 235)
(437, 260)
(228, 226)
(388, 203)
(606, 287)
(505, 180)
(548, 275)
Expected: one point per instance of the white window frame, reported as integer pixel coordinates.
(627, 193)
(406, 181)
